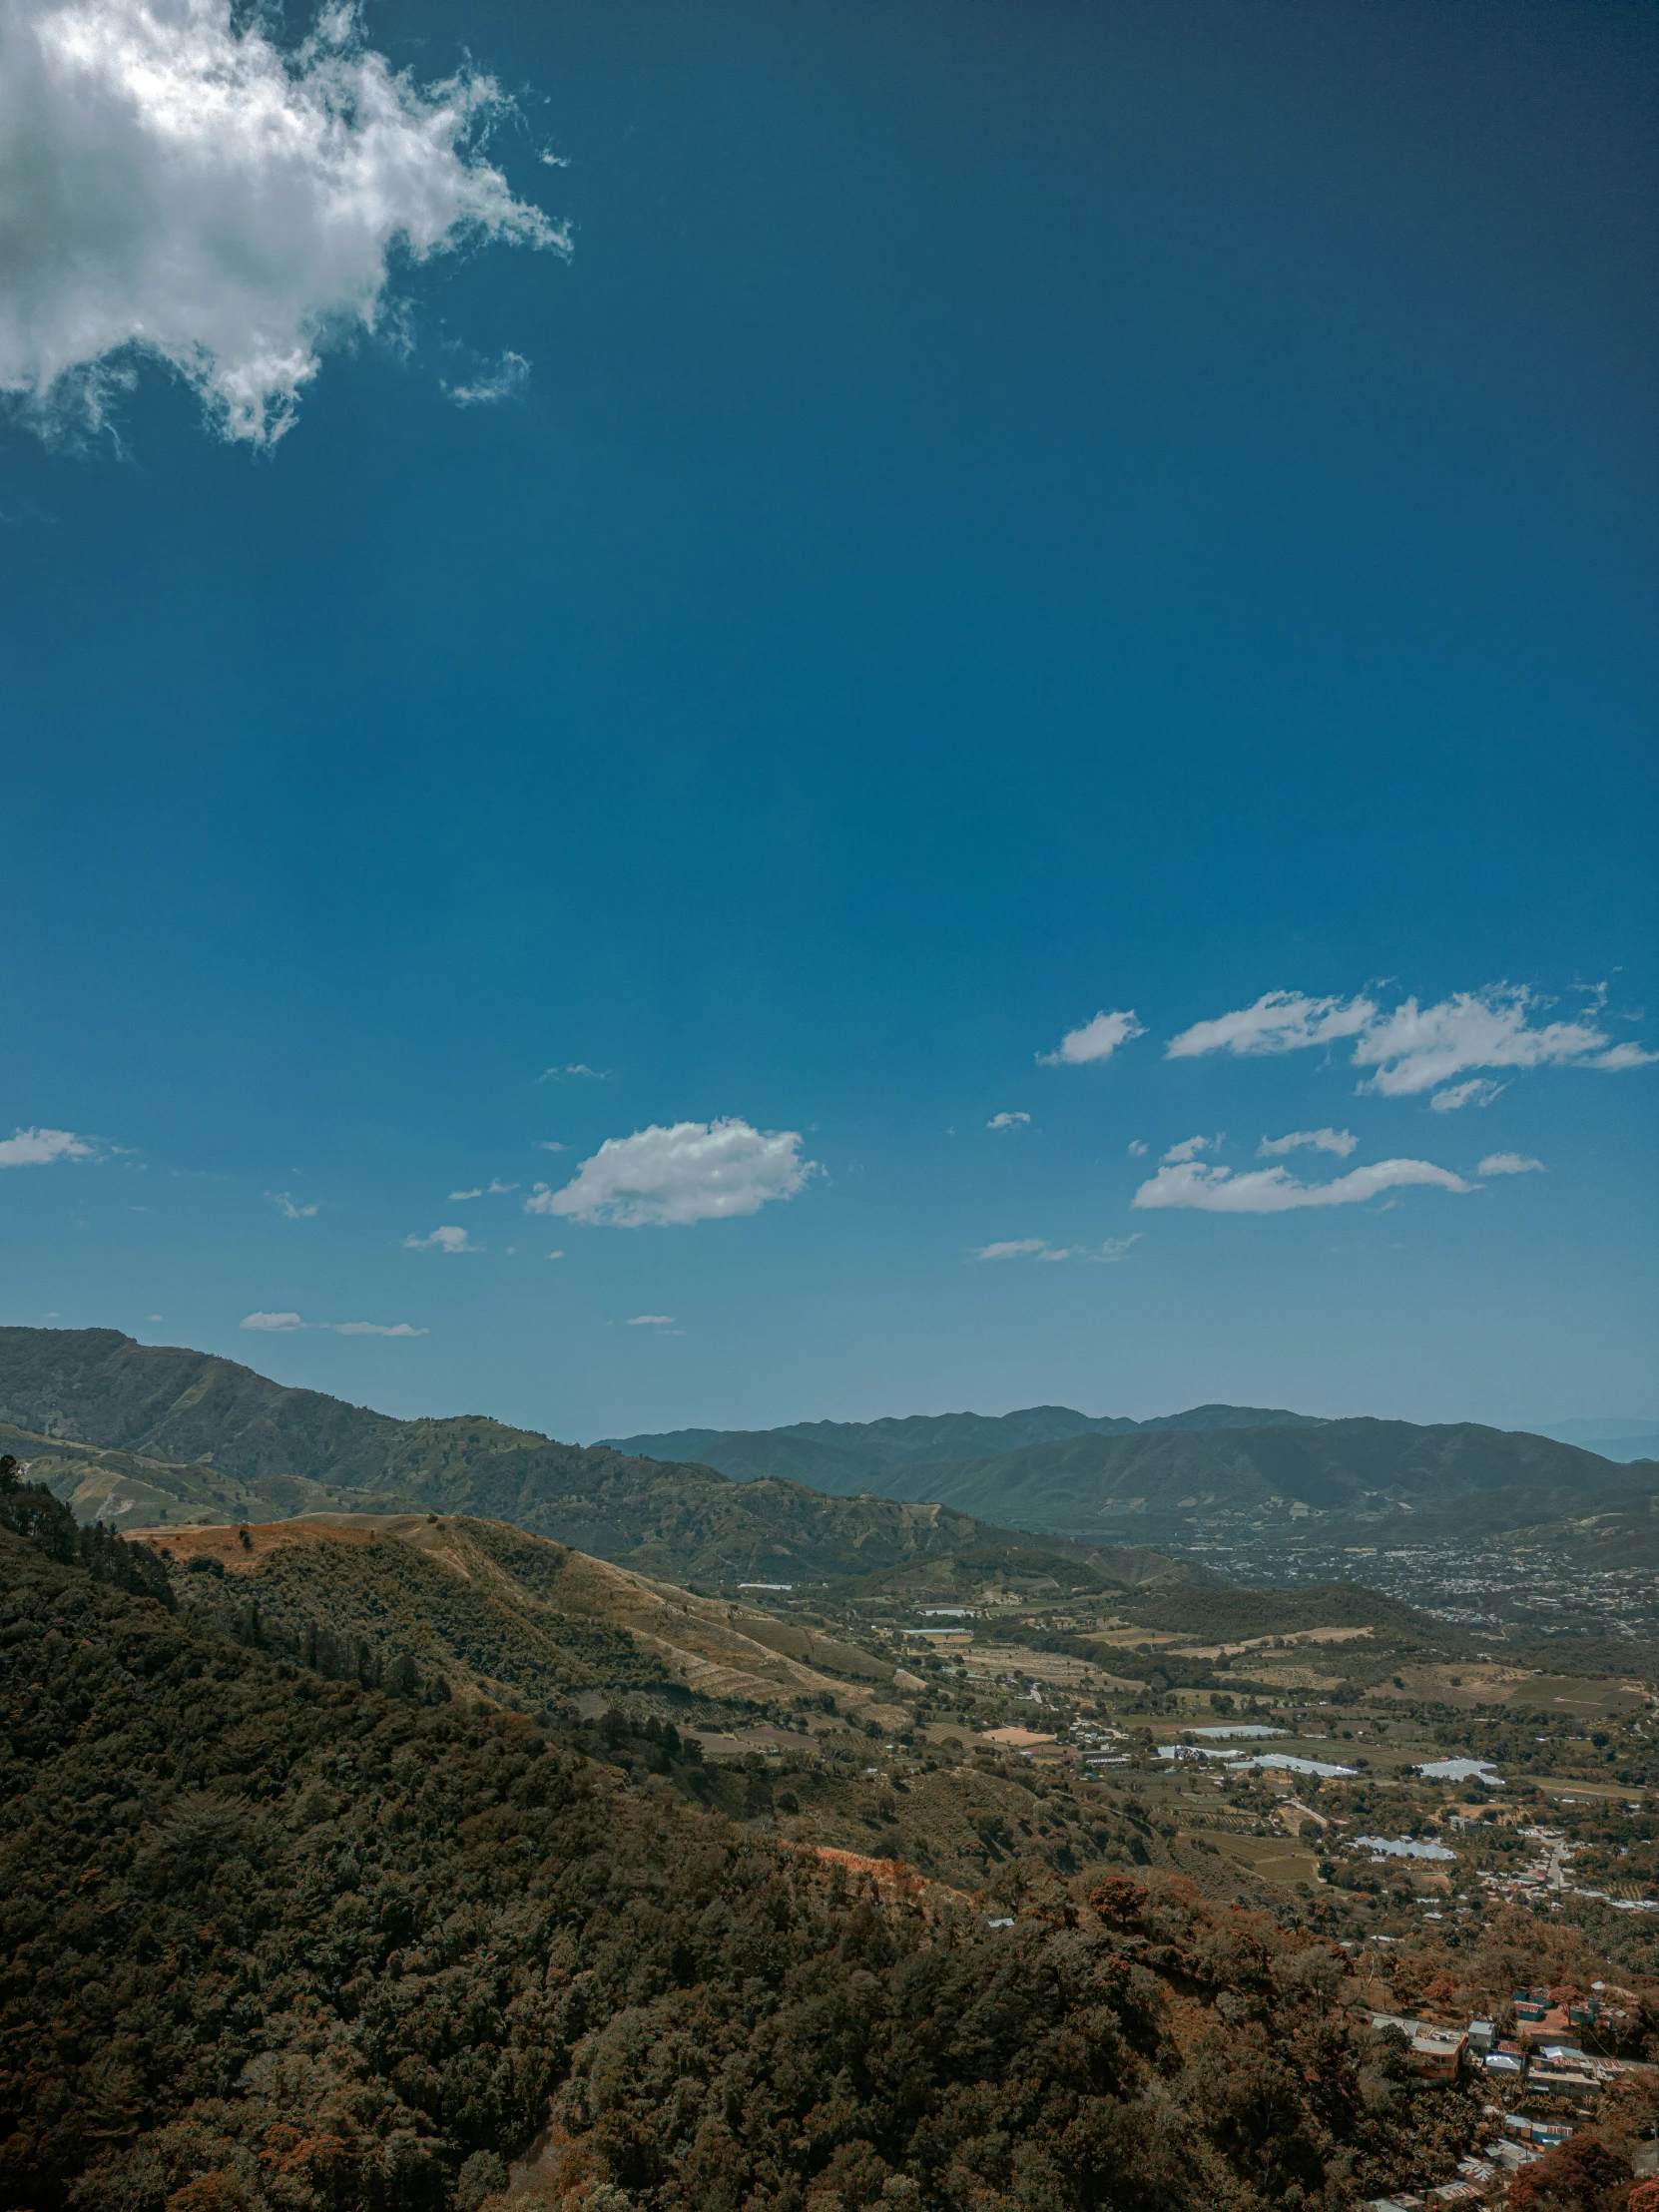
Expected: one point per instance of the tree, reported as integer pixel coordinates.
(1579, 2175)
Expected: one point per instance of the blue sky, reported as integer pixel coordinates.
(892, 533)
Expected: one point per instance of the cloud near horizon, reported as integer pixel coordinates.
(1095, 1040)
(285, 1324)
(1216, 1190)
(1418, 1048)
(38, 1148)
(178, 187)
(663, 1178)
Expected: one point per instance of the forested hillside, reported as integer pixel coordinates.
(302, 1943)
(205, 1439)
(1457, 1478)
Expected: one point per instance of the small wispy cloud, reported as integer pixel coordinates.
(1509, 1162)
(1478, 1091)
(38, 1148)
(511, 373)
(573, 1068)
(1190, 1147)
(1340, 1141)
(1137, 1148)
(285, 1324)
(496, 1189)
(550, 1144)
(1008, 1121)
(1040, 1249)
(457, 1198)
(442, 1239)
(1279, 1021)
(1216, 1190)
(286, 1205)
(555, 1255)
(649, 1321)
(1094, 1040)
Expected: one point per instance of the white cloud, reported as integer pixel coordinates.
(511, 373)
(1137, 1148)
(1279, 1021)
(1190, 1147)
(38, 1148)
(649, 1321)
(442, 1239)
(458, 1198)
(1216, 1190)
(1340, 1141)
(1418, 1048)
(1007, 1121)
(283, 1324)
(695, 1171)
(550, 1144)
(496, 1189)
(1477, 1091)
(175, 186)
(574, 1067)
(1509, 1162)
(555, 1255)
(1095, 1040)
(1618, 1057)
(285, 1205)
(1039, 1249)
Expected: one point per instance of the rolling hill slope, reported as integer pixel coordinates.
(493, 1612)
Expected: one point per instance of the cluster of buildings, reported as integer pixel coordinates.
(1536, 2068)
(1546, 1878)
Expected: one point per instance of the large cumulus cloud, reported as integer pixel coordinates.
(174, 187)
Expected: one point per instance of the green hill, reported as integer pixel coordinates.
(137, 1434)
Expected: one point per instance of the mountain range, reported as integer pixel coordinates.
(847, 1456)
(141, 1436)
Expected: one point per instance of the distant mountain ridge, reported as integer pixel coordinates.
(846, 1458)
(1363, 1476)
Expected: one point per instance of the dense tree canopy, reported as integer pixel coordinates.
(271, 1940)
